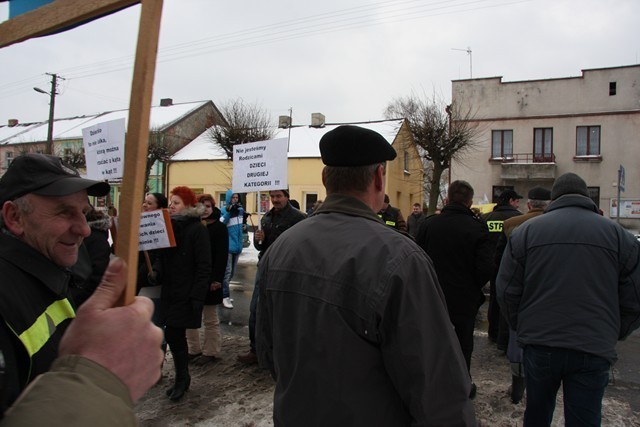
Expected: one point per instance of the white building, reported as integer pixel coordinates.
(530, 132)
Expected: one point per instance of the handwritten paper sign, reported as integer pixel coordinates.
(260, 166)
(155, 230)
(104, 150)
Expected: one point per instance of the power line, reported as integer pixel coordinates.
(356, 17)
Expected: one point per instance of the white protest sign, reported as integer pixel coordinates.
(260, 166)
(155, 230)
(104, 150)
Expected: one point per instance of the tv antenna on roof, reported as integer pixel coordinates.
(468, 50)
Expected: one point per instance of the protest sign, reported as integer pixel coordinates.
(155, 230)
(104, 150)
(260, 166)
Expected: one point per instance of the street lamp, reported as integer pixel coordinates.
(52, 103)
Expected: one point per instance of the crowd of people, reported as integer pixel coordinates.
(377, 312)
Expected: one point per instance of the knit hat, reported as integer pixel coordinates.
(186, 194)
(349, 145)
(539, 193)
(569, 183)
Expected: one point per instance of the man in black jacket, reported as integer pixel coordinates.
(279, 219)
(391, 216)
(42, 224)
(507, 207)
(569, 284)
(459, 246)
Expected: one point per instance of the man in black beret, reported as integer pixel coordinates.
(42, 222)
(354, 308)
(569, 285)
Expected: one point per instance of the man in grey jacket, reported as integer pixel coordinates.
(569, 284)
(351, 320)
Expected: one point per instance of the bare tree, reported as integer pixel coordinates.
(161, 149)
(443, 132)
(245, 123)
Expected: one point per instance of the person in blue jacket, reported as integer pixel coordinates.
(233, 217)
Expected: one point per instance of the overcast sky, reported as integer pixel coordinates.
(346, 59)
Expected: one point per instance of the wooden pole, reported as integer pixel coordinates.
(62, 14)
(137, 141)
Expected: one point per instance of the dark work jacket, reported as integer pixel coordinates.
(31, 286)
(219, 241)
(354, 308)
(392, 217)
(571, 279)
(275, 223)
(495, 223)
(459, 246)
(185, 272)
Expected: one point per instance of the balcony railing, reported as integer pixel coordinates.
(526, 158)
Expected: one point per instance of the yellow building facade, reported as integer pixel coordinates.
(205, 168)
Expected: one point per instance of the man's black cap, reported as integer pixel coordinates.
(508, 195)
(539, 193)
(350, 145)
(45, 175)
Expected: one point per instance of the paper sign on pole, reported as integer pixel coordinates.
(104, 150)
(155, 230)
(260, 166)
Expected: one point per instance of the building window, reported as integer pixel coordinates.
(501, 143)
(543, 145)
(8, 158)
(594, 194)
(612, 88)
(588, 141)
(310, 200)
(406, 162)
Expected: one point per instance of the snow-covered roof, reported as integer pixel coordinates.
(71, 128)
(303, 143)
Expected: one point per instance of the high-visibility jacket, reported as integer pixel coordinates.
(34, 313)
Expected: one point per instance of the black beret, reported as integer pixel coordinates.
(350, 145)
(539, 193)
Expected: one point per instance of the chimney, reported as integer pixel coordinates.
(166, 102)
(13, 122)
(284, 122)
(317, 120)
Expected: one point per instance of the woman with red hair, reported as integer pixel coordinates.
(184, 273)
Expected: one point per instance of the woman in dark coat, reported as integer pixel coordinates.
(209, 351)
(185, 276)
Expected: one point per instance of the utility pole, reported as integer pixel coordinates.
(448, 110)
(52, 103)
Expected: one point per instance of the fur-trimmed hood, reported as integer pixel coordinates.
(192, 211)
